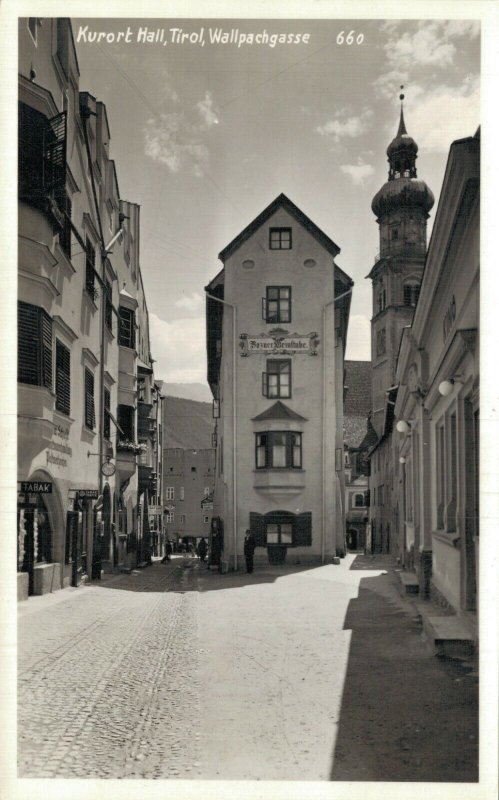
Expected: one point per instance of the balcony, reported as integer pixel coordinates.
(279, 482)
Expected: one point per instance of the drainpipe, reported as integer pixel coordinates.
(234, 419)
(324, 362)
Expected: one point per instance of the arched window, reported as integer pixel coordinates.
(411, 293)
(359, 500)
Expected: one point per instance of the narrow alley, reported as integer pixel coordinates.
(291, 673)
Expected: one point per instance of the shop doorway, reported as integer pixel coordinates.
(35, 537)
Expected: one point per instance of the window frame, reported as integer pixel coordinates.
(276, 243)
(170, 492)
(126, 328)
(271, 371)
(291, 446)
(279, 316)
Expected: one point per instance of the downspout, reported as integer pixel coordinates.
(234, 419)
(324, 363)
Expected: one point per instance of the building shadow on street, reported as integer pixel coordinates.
(405, 715)
(187, 574)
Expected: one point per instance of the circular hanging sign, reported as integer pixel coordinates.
(108, 469)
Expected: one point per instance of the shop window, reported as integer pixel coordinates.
(89, 400)
(278, 450)
(34, 346)
(276, 305)
(126, 328)
(280, 238)
(62, 378)
(276, 381)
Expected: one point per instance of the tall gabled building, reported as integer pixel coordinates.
(277, 317)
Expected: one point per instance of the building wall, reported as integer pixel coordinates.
(296, 491)
(188, 479)
(63, 447)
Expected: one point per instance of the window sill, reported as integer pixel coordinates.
(110, 335)
(90, 300)
(87, 434)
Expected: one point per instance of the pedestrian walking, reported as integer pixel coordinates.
(201, 549)
(249, 549)
(168, 552)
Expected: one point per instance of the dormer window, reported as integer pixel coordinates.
(280, 238)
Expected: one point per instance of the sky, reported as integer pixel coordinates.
(205, 136)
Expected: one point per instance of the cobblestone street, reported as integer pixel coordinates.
(179, 672)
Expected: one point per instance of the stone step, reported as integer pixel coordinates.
(409, 583)
(448, 636)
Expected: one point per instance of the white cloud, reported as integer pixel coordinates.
(431, 43)
(206, 110)
(358, 172)
(179, 349)
(388, 84)
(342, 126)
(444, 114)
(359, 338)
(171, 140)
(193, 302)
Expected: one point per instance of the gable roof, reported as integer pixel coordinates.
(278, 411)
(357, 401)
(280, 202)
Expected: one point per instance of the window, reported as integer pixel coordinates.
(277, 304)
(170, 516)
(62, 378)
(34, 346)
(170, 493)
(411, 294)
(90, 269)
(89, 400)
(182, 519)
(395, 234)
(41, 156)
(126, 335)
(109, 305)
(381, 300)
(278, 449)
(359, 501)
(126, 421)
(193, 469)
(276, 381)
(206, 520)
(281, 528)
(279, 533)
(181, 493)
(280, 238)
(107, 414)
(206, 491)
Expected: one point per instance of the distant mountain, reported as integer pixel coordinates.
(191, 391)
(187, 424)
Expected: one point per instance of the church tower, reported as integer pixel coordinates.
(401, 207)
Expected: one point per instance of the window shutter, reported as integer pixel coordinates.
(303, 530)
(46, 350)
(28, 344)
(62, 378)
(89, 400)
(257, 527)
(264, 308)
(264, 384)
(54, 153)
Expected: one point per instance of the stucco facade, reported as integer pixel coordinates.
(78, 267)
(275, 366)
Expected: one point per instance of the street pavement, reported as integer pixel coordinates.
(291, 673)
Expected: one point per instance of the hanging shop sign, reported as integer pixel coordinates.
(36, 487)
(154, 510)
(279, 343)
(169, 507)
(87, 494)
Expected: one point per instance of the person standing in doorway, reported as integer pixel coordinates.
(249, 550)
(202, 548)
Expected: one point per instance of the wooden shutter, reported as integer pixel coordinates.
(46, 350)
(28, 344)
(62, 378)
(257, 527)
(303, 530)
(30, 147)
(54, 147)
(107, 417)
(264, 384)
(89, 400)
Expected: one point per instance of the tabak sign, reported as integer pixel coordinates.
(279, 343)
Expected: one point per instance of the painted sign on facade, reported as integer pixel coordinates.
(286, 343)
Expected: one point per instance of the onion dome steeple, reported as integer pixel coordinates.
(403, 187)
